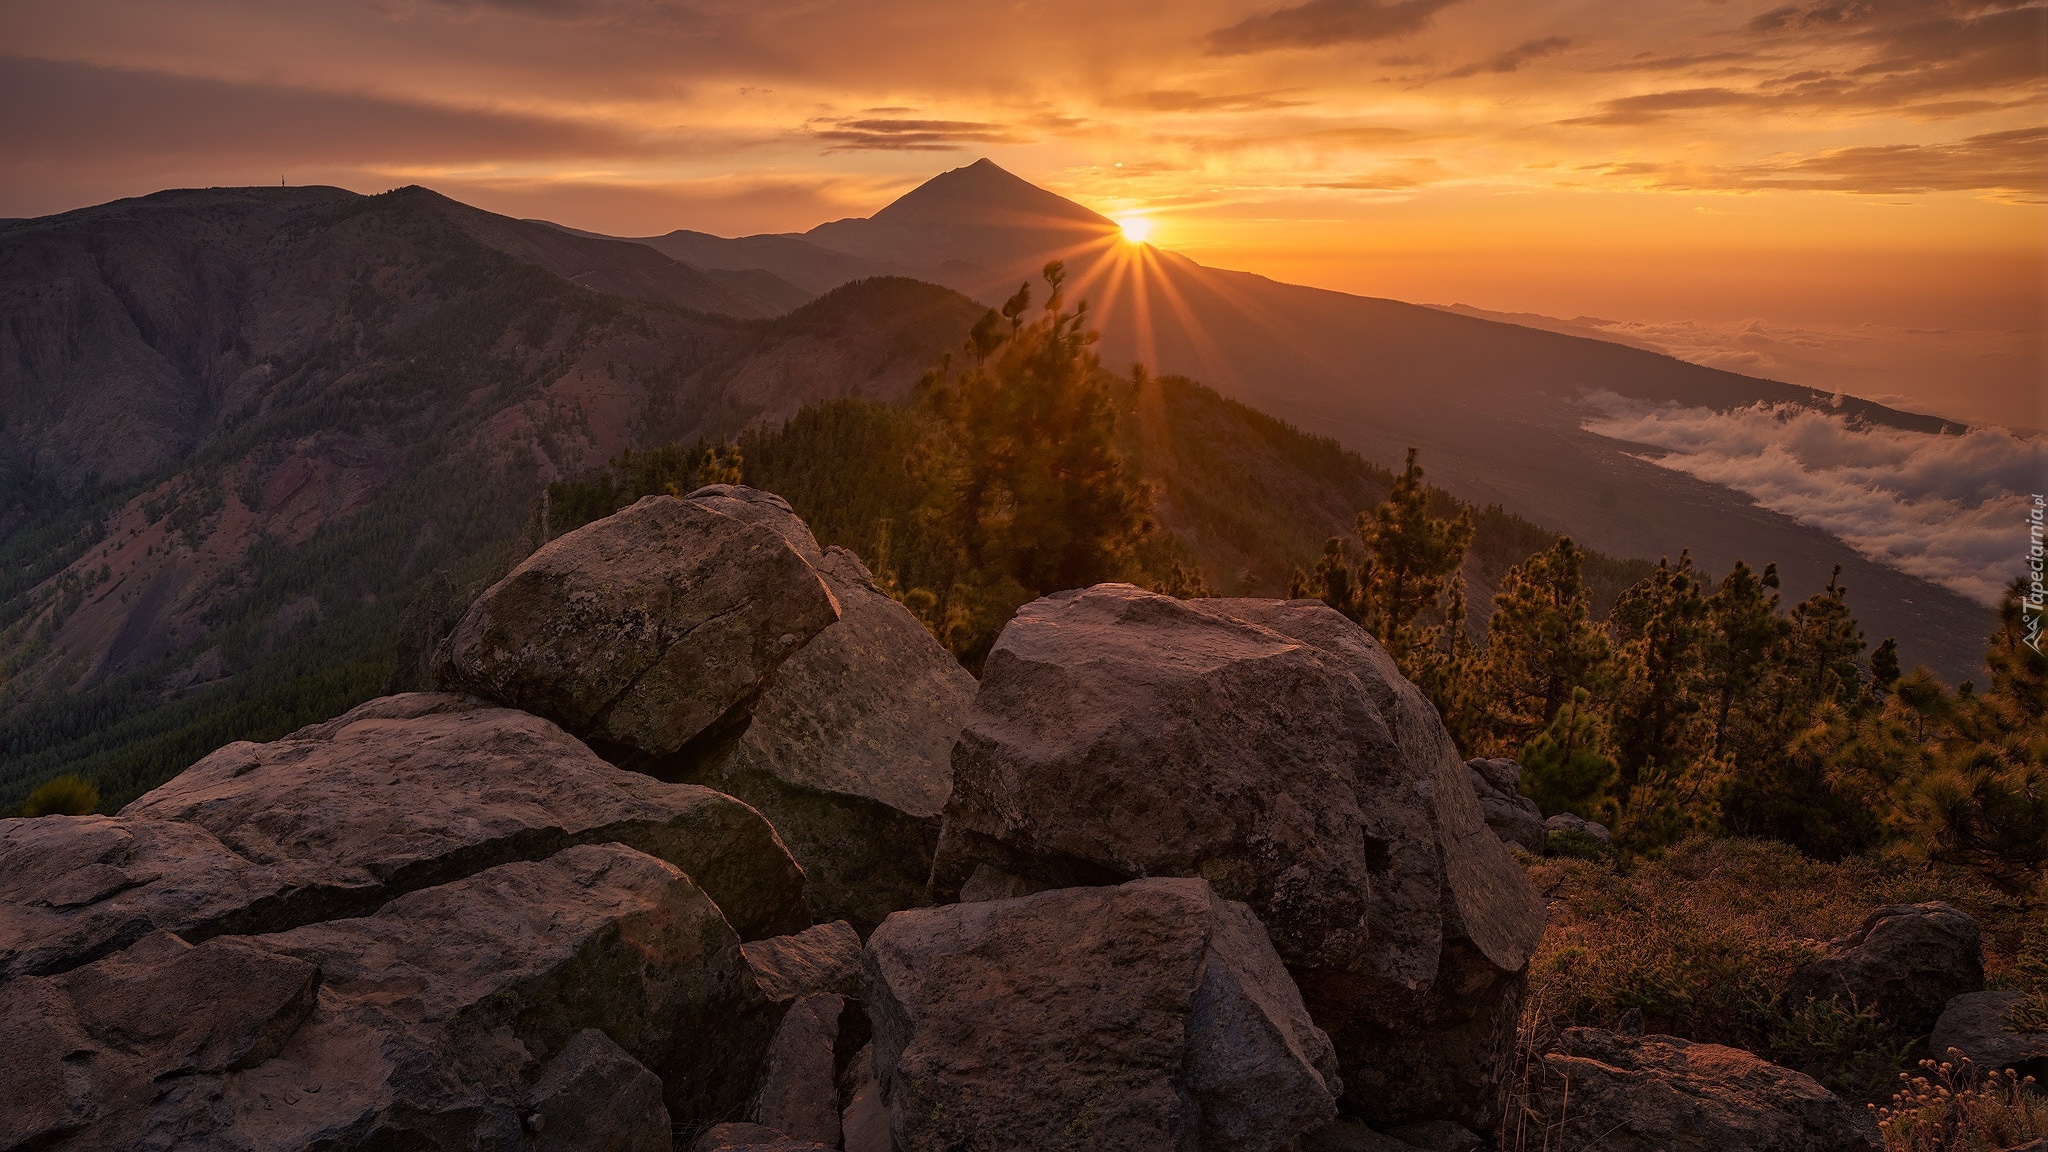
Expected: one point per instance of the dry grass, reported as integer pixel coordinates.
(1699, 942)
(1953, 1107)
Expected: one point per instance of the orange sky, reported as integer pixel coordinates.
(1840, 169)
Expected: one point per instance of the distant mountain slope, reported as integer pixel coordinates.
(793, 259)
(1496, 408)
(243, 426)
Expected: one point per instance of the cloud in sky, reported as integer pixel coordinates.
(1949, 509)
(1513, 59)
(1320, 23)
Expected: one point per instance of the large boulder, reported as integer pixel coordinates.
(450, 1018)
(1977, 1026)
(415, 790)
(1512, 816)
(1906, 961)
(1274, 749)
(593, 1096)
(849, 749)
(821, 958)
(1153, 1015)
(1662, 1094)
(75, 888)
(645, 630)
(800, 1083)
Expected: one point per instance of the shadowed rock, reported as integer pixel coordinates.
(752, 1138)
(800, 1086)
(1976, 1026)
(822, 958)
(1905, 961)
(75, 888)
(1663, 1094)
(441, 1020)
(594, 1097)
(1272, 748)
(644, 630)
(419, 789)
(1512, 816)
(1150, 1015)
(849, 749)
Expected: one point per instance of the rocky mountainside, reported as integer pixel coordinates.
(1202, 875)
(267, 419)
(1495, 407)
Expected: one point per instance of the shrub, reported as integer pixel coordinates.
(1955, 1107)
(63, 796)
(1699, 942)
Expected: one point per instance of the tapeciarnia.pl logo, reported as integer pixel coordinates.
(2036, 600)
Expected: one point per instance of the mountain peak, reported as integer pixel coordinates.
(986, 194)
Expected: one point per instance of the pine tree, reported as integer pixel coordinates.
(1541, 644)
(1660, 627)
(1410, 561)
(1744, 641)
(1825, 644)
(1023, 472)
(1566, 768)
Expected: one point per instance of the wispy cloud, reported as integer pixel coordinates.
(1320, 23)
(1949, 509)
(1513, 59)
(910, 135)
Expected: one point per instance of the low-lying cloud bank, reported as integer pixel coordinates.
(1948, 509)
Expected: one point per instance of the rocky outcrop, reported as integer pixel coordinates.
(800, 1085)
(1662, 1094)
(1150, 1015)
(1274, 749)
(643, 631)
(451, 1017)
(1905, 961)
(711, 639)
(849, 748)
(332, 821)
(410, 791)
(594, 1097)
(742, 1137)
(1568, 824)
(1512, 816)
(1977, 1026)
(822, 958)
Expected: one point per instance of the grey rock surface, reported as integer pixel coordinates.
(594, 1097)
(863, 1118)
(1349, 1136)
(1148, 1015)
(744, 1137)
(643, 630)
(1975, 1025)
(1272, 748)
(1664, 1094)
(76, 888)
(1570, 824)
(445, 1019)
(1906, 961)
(821, 958)
(800, 1087)
(1512, 816)
(409, 791)
(849, 750)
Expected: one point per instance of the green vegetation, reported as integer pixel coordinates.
(1699, 942)
(63, 796)
(1704, 706)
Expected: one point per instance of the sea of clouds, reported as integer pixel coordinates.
(1951, 509)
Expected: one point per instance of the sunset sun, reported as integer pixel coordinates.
(1136, 228)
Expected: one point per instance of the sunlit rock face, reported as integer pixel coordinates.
(1272, 748)
(710, 639)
